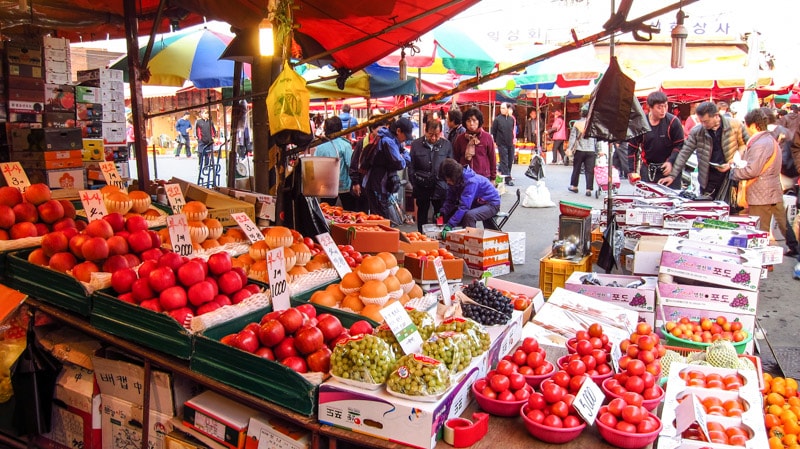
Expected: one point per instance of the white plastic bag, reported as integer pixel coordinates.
(537, 195)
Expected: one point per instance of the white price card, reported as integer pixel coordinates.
(689, 411)
(93, 204)
(179, 234)
(442, 277)
(250, 229)
(15, 176)
(175, 197)
(588, 400)
(616, 354)
(276, 267)
(402, 327)
(111, 174)
(333, 253)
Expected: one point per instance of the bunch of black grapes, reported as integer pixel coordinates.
(494, 308)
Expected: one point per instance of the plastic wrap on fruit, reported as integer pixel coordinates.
(590, 279)
(424, 322)
(635, 284)
(363, 358)
(454, 349)
(419, 375)
(477, 334)
(385, 333)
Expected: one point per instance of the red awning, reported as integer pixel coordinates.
(384, 25)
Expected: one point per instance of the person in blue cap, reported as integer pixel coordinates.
(470, 197)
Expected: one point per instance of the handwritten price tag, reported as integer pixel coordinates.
(333, 253)
(250, 229)
(93, 204)
(689, 411)
(179, 234)
(276, 267)
(111, 175)
(588, 400)
(616, 354)
(442, 278)
(406, 332)
(175, 197)
(15, 175)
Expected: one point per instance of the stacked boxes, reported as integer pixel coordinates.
(75, 419)
(641, 296)
(483, 250)
(25, 82)
(59, 106)
(53, 157)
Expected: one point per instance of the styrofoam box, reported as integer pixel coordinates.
(712, 298)
(714, 206)
(725, 266)
(620, 202)
(113, 133)
(517, 242)
(640, 299)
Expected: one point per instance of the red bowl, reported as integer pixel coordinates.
(625, 440)
(498, 408)
(562, 361)
(600, 378)
(555, 435)
(535, 380)
(649, 404)
(571, 345)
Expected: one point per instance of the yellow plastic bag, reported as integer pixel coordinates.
(288, 102)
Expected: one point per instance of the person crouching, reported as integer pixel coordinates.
(470, 197)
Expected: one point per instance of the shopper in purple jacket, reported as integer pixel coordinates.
(470, 197)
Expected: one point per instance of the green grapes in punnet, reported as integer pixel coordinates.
(451, 348)
(418, 375)
(478, 335)
(364, 358)
(424, 322)
(385, 333)
(492, 308)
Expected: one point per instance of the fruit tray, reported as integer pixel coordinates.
(260, 377)
(50, 286)
(682, 343)
(755, 359)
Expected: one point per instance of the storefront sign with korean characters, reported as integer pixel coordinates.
(93, 204)
(15, 176)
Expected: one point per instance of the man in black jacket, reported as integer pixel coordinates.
(206, 132)
(503, 134)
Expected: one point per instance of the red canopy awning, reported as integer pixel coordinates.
(383, 25)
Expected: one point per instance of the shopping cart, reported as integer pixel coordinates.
(601, 178)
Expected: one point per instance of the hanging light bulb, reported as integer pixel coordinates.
(266, 40)
(679, 35)
(403, 65)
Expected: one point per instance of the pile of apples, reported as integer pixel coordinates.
(706, 330)
(108, 244)
(34, 213)
(296, 337)
(351, 256)
(183, 287)
(643, 345)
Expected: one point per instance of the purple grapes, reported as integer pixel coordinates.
(637, 301)
(742, 277)
(740, 301)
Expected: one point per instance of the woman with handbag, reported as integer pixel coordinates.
(758, 174)
(585, 151)
(427, 154)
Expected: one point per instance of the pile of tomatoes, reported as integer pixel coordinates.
(627, 414)
(696, 378)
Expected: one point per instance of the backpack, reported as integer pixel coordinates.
(367, 155)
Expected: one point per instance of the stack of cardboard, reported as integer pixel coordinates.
(482, 250)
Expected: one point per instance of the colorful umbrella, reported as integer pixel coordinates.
(182, 57)
(699, 82)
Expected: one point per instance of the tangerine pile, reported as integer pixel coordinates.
(781, 412)
(432, 254)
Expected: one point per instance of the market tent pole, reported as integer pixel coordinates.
(610, 181)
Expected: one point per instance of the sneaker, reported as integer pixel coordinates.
(588, 193)
(790, 253)
(572, 189)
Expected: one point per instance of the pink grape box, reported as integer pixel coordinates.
(641, 298)
(683, 218)
(712, 298)
(725, 266)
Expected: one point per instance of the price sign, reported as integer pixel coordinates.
(333, 253)
(175, 198)
(689, 411)
(442, 277)
(588, 400)
(111, 175)
(402, 327)
(15, 175)
(179, 234)
(276, 267)
(616, 354)
(93, 204)
(250, 229)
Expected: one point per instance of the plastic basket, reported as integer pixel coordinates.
(681, 343)
(755, 359)
(574, 209)
(554, 272)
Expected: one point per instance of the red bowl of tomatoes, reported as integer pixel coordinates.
(630, 440)
(572, 346)
(550, 434)
(562, 363)
(648, 403)
(495, 406)
(534, 380)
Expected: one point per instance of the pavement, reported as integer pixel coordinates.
(778, 316)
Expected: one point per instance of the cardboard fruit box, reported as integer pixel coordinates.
(367, 238)
(725, 266)
(50, 286)
(422, 268)
(219, 206)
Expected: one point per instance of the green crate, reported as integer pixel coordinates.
(554, 273)
(46, 285)
(682, 343)
(154, 330)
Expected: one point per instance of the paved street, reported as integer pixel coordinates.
(777, 313)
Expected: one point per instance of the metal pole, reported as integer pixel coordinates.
(610, 168)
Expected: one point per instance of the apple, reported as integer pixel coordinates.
(170, 259)
(41, 228)
(63, 262)
(200, 293)
(150, 254)
(64, 224)
(308, 309)
(242, 274)
(141, 291)
(191, 273)
(292, 320)
(271, 333)
(37, 194)
(330, 326)
(122, 280)
(38, 257)
(7, 217)
(54, 242)
(183, 316)
(135, 223)
(116, 220)
(215, 284)
(50, 211)
(76, 243)
(172, 298)
(295, 363)
(246, 340)
(69, 209)
(117, 245)
(146, 267)
(240, 296)
(151, 304)
(139, 241)
(319, 360)
(265, 353)
(10, 196)
(99, 228)
(229, 282)
(83, 271)
(222, 300)
(361, 327)
(344, 336)
(207, 308)
(220, 263)
(127, 297)
(133, 259)
(23, 230)
(285, 348)
(95, 249)
(25, 212)
(155, 239)
(271, 316)
(115, 263)
(308, 340)
(253, 288)
(161, 278)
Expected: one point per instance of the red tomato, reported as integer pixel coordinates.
(572, 421)
(552, 392)
(603, 368)
(590, 362)
(516, 381)
(522, 394)
(529, 345)
(520, 357)
(560, 409)
(536, 416)
(499, 382)
(568, 399)
(648, 378)
(624, 426)
(576, 368)
(505, 367)
(632, 398)
(561, 378)
(611, 384)
(653, 392)
(506, 396)
(636, 367)
(737, 440)
(544, 368)
(616, 405)
(634, 383)
(576, 382)
(633, 414)
(648, 424)
(600, 356)
(536, 401)
(535, 359)
(552, 421)
(583, 347)
(489, 393)
(525, 370)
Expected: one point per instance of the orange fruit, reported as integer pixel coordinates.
(775, 399)
(775, 443)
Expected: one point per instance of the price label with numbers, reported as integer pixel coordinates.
(250, 229)
(93, 204)
(15, 176)
(333, 253)
(111, 174)
(687, 412)
(175, 198)
(406, 332)
(442, 277)
(588, 401)
(178, 227)
(276, 267)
